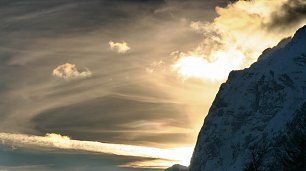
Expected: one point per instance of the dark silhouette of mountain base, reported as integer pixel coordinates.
(177, 167)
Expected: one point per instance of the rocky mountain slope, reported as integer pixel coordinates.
(257, 120)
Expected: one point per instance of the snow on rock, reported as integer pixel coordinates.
(257, 120)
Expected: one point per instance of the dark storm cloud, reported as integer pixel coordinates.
(291, 13)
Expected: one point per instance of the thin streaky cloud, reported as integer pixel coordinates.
(52, 140)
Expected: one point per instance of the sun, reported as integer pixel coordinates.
(200, 68)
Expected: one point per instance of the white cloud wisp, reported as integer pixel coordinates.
(119, 47)
(70, 71)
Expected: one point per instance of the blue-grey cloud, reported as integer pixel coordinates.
(21, 159)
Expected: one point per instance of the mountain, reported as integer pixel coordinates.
(177, 167)
(257, 120)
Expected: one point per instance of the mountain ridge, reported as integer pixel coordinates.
(254, 108)
(256, 121)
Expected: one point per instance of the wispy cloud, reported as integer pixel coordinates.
(155, 99)
(119, 47)
(70, 71)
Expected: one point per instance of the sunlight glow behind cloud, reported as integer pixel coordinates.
(51, 140)
(235, 39)
(201, 68)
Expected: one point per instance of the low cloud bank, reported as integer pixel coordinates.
(57, 141)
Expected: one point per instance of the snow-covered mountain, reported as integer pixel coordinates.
(257, 120)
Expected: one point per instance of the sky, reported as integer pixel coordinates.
(122, 84)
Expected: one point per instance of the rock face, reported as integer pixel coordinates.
(257, 120)
(177, 167)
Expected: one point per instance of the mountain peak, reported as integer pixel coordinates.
(300, 33)
(260, 111)
(177, 167)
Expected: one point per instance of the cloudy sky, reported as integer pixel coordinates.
(122, 84)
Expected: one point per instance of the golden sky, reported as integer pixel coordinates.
(129, 80)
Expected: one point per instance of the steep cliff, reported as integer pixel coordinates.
(257, 120)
